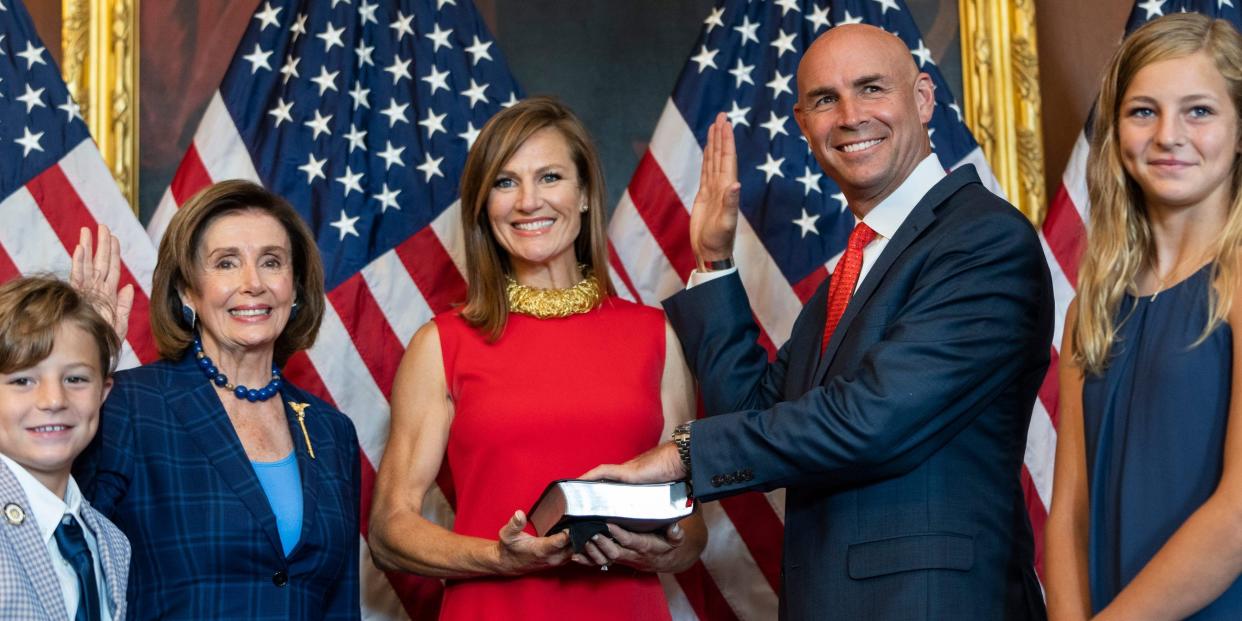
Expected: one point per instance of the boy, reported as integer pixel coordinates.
(59, 558)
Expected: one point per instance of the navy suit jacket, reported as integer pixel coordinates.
(901, 446)
(169, 469)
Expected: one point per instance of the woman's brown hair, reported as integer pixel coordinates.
(178, 260)
(487, 262)
(32, 308)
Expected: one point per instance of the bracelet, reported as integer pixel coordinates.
(716, 266)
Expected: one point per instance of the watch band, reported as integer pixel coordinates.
(716, 266)
(681, 439)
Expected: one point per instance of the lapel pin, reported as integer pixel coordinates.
(14, 514)
(299, 409)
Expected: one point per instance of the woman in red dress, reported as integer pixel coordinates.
(541, 375)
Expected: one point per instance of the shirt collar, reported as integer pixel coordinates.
(886, 217)
(48, 508)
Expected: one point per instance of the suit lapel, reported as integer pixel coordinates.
(307, 466)
(115, 569)
(203, 415)
(27, 544)
(921, 217)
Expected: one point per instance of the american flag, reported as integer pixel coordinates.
(360, 113)
(794, 228)
(53, 180)
(1064, 236)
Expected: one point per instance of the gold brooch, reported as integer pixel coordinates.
(299, 409)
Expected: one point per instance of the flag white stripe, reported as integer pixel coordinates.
(29, 239)
(93, 183)
(641, 254)
(349, 381)
(397, 295)
(734, 570)
(1062, 293)
(1075, 177)
(447, 227)
(1041, 442)
(678, 605)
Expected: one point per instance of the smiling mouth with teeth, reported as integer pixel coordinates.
(533, 226)
(251, 312)
(859, 146)
(49, 428)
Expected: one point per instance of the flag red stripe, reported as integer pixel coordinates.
(191, 176)
(8, 269)
(806, 287)
(1049, 392)
(1039, 516)
(368, 328)
(661, 209)
(761, 531)
(1066, 234)
(624, 275)
(67, 214)
(420, 597)
(704, 595)
(433, 271)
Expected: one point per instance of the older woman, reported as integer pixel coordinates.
(541, 375)
(241, 490)
(1144, 519)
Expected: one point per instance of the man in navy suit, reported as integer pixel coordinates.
(896, 414)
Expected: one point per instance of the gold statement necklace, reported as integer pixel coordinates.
(548, 303)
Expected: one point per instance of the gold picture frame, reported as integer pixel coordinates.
(1000, 80)
(100, 44)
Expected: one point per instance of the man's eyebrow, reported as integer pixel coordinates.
(869, 79)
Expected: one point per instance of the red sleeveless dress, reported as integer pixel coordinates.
(550, 399)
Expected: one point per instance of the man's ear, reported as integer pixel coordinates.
(925, 97)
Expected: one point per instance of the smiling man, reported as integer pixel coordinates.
(896, 414)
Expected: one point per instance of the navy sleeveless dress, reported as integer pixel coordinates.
(1155, 432)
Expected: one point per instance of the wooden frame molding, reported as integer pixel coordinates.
(100, 41)
(1000, 77)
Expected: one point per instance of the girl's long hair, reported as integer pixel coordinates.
(1120, 238)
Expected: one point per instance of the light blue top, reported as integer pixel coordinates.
(282, 483)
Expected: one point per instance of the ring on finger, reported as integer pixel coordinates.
(603, 567)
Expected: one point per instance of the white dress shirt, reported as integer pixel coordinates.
(48, 509)
(885, 218)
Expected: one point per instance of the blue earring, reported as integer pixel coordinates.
(188, 316)
(293, 311)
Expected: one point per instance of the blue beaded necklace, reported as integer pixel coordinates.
(208, 367)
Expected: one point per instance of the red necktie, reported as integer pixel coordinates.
(844, 278)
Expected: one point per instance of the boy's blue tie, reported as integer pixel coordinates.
(73, 547)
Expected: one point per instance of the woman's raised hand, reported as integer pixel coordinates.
(522, 552)
(97, 275)
(713, 220)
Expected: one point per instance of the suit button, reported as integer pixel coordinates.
(280, 578)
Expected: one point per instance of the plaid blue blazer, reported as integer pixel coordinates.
(29, 588)
(168, 468)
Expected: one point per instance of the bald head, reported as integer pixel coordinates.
(862, 40)
(863, 106)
